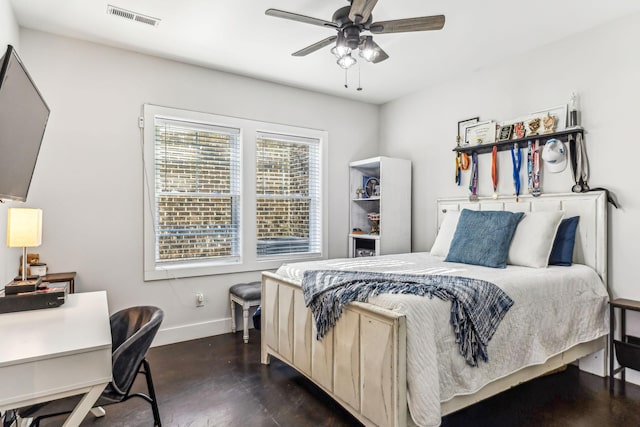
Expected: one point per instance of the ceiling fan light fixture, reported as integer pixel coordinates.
(368, 49)
(340, 52)
(346, 61)
(342, 49)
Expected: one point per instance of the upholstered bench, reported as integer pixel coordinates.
(246, 295)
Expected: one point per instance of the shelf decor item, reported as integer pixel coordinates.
(560, 115)
(519, 130)
(533, 126)
(371, 186)
(505, 133)
(549, 124)
(374, 217)
(462, 129)
(481, 133)
(573, 110)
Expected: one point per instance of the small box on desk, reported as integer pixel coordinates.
(19, 286)
(34, 300)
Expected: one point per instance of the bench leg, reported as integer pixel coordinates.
(98, 411)
(245, 319)
(233, 316)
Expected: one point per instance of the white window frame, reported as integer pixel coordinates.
(248, 260)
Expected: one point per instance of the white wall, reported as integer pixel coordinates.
(88, 179)
(8, 26)
(601, 64)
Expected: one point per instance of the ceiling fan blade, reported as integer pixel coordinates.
(424, 23)
(361, 8)
(299, 18)
(312, 48)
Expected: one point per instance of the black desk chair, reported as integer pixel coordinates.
(132, 331)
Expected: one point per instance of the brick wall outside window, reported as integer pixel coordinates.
(195, 205)
(195, 227)
(283, 200)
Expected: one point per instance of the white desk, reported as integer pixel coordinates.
(56, 352)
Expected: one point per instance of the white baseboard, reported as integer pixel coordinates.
(594, 363)
(192, 331)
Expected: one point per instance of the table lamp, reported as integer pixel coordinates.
(24, 230)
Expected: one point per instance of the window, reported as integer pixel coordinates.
(226, 195)
(287, 195)
(197, 188)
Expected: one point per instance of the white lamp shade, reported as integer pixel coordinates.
(24, 227)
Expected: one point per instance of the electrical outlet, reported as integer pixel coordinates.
(199, 299)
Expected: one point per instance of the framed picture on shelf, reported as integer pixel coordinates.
(505, 132)
(519, 130)
(552, 119)
(518, 127)
(371, 186)
(462, 128)
(481, 133)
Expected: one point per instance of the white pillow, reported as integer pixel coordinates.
(445, 234)
(533, 240)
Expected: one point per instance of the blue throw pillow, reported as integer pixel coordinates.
(483, 237)
(562, 251)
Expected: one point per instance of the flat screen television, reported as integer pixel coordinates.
(23, 119)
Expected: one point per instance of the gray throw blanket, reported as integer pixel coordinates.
(477, 306)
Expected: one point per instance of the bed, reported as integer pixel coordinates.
(390, 362)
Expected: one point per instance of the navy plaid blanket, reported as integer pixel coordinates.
(477, 306)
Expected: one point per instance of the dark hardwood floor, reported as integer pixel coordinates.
(219, 381)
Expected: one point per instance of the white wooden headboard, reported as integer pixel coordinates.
(591, 239)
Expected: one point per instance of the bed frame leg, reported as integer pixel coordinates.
(265, 359)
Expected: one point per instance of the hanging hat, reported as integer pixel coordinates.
(554, 154)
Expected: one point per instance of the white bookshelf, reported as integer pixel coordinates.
(393, 203)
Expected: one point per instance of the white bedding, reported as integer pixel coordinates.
(554, 309)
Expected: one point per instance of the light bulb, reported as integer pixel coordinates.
(368, 50)
(346, 61)
(339, 53)
(341, 46)
(369, 55)
(342, 50)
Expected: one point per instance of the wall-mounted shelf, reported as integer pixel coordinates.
(365, 236)
(562, 135)
(367, 199)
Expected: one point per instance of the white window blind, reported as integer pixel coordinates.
(197, 191)
(288, 217)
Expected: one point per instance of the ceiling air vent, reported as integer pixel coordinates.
(132, 16)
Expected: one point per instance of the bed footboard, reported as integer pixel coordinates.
(361, 362)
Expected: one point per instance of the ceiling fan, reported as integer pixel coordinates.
(350, 22)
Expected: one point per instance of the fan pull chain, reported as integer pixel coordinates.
(345, 78)
(359, 85)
